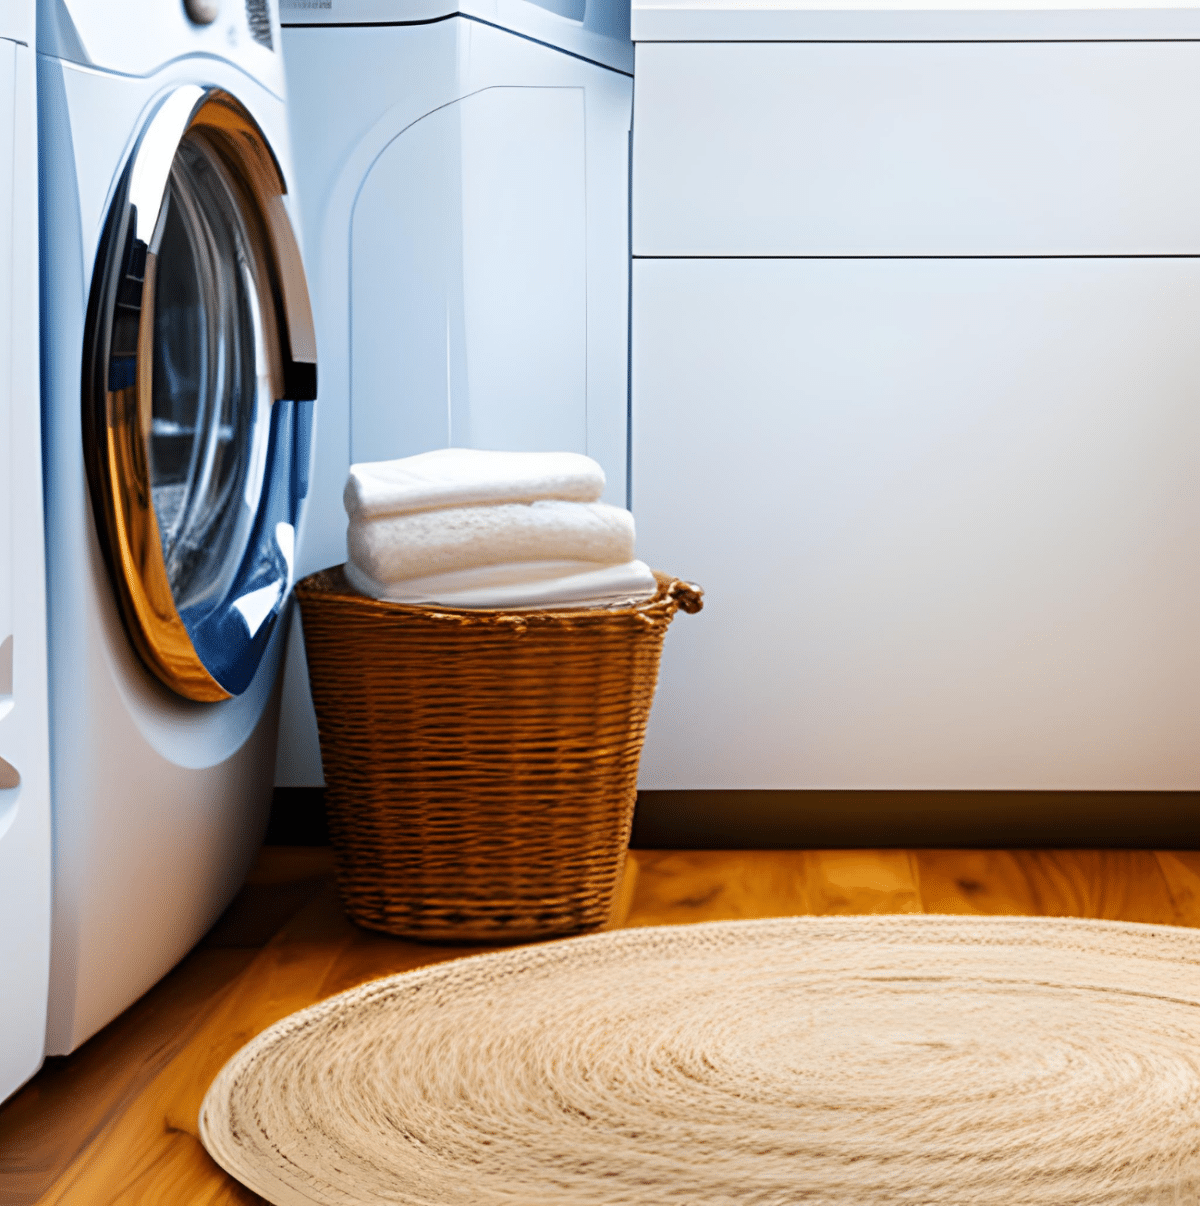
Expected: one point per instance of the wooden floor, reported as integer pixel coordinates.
(116, 1121)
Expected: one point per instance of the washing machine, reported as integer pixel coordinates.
(463, 171)
(179, 372)
(24, 734)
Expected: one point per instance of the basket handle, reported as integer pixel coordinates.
(687, 596)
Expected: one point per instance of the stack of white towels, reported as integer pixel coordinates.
(465, 528)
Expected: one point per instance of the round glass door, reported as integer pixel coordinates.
(198, 380)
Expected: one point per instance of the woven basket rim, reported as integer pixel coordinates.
(331, 583)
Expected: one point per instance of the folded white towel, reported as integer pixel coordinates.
(481, 577)
(460, 477)
(401, 547)
(530, 586)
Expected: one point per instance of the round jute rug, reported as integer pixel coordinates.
(891, 1059)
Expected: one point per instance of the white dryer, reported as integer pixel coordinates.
(179, 371)
(24, 750)
(464, 171)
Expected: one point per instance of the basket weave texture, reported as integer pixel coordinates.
(480, 766)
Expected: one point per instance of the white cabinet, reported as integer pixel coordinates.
(916, 392)
(946, 513)
(961, 21)
(987, 148)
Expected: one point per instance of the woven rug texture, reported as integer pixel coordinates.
(886, 1059)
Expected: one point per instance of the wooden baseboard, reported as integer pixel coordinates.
(810, 820)
(831, 820)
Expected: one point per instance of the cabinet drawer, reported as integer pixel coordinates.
(1032, 148)
(946, 514)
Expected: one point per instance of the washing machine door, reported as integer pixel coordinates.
(199, 374)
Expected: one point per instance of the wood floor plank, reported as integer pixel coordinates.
(318, 953)
(181, 1171)
(1181, 872)
(677, 887)
(279, 980)
(618, 915)
(132, 1140)
(1121, 885)
(973, 881)
(72, 1102)
(861, 881)
(48, 1128)
(364, 955)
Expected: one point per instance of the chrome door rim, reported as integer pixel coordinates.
(210, 653)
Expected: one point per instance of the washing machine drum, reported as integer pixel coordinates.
(199, 374)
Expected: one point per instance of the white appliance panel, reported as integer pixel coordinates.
(400, 75)
(946, 513)
(140, 37)
(595, 31)
(17, 21)
(480, 209)
(524, 234)
(406, 346)
(160, 803)
(8, 72)
(25, 855)
(1065, 148)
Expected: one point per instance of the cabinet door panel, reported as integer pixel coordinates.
(946, 512)
(1047, 148)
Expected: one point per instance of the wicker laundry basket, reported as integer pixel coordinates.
(480, 766)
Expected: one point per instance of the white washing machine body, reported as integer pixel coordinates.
(24, 741)
(464, 177)
(178, 378)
